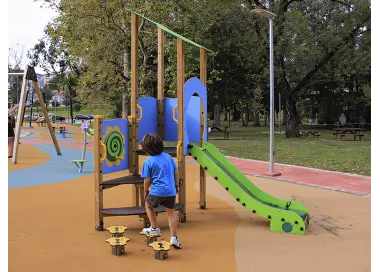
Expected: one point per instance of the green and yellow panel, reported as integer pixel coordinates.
(115, 145)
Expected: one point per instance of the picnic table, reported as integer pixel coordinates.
(342, 132)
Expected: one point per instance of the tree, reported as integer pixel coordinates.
(308, 35)
(77, 107)
(36, 104)
(16, 58)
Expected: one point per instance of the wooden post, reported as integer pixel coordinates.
(134, 92)
(134, 169)
(20, 117)
(98, 170)
(160, 79)
(180, 149)
(46, 115)
(202, 172)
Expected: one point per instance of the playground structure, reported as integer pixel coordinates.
(30, 74)
(116, 146)
(111, 153)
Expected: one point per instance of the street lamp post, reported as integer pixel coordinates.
(279, 111)
(269, 15)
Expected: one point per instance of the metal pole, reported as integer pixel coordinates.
(31, 109)
(271, 144)
(279, 112)
(17, 102)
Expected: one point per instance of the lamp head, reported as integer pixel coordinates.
(264, 13)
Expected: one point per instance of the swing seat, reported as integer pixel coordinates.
(79, 164)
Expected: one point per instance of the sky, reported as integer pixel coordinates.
(26, 23)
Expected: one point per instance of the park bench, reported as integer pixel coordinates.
(306, 134)
(225, 131)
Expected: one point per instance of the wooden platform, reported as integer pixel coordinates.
(120, 181)
(172, 151)
(135, 210)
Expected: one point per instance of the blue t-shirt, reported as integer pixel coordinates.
(160, 170)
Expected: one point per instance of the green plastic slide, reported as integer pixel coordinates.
(285, 216)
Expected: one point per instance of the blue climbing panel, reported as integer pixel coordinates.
(193, 119)
(194, 87)
(170, 125)
(148, 122)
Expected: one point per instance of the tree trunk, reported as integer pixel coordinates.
(245, 116)
(71, 110)
(235, 114)
(257, 119)
(292, 128)
(217, 115)
(265, 118)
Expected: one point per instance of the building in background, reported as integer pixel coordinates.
(58, 96)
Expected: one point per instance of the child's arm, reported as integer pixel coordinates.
(147, 183)
(176, 180)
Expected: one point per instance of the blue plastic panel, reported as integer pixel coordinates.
(193, 86)
(115, 138)
(170, 126)
(193, 119)
(148, 122)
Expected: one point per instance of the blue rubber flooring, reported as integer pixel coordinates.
(56, 169)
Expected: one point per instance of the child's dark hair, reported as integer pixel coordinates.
(152, 144)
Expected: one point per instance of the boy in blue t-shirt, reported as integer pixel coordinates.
(160, 173)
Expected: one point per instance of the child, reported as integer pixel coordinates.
(160, 173)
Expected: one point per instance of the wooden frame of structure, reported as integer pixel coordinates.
(134, 178)
(30, 74)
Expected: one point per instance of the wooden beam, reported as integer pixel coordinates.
(180, 149)
(47, 118)
(98, 170)
(202, 172)
(134, 169)
(160, 79)
(20, 117)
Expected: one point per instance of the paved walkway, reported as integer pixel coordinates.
(343, 182)
(337, 181)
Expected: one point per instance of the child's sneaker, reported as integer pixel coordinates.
(151, 231)
(175, 242)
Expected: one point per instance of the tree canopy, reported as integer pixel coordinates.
(322, 49)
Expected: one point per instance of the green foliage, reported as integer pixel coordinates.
(77, 107)
(321, 48)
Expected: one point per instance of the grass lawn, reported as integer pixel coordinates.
(324, 152)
